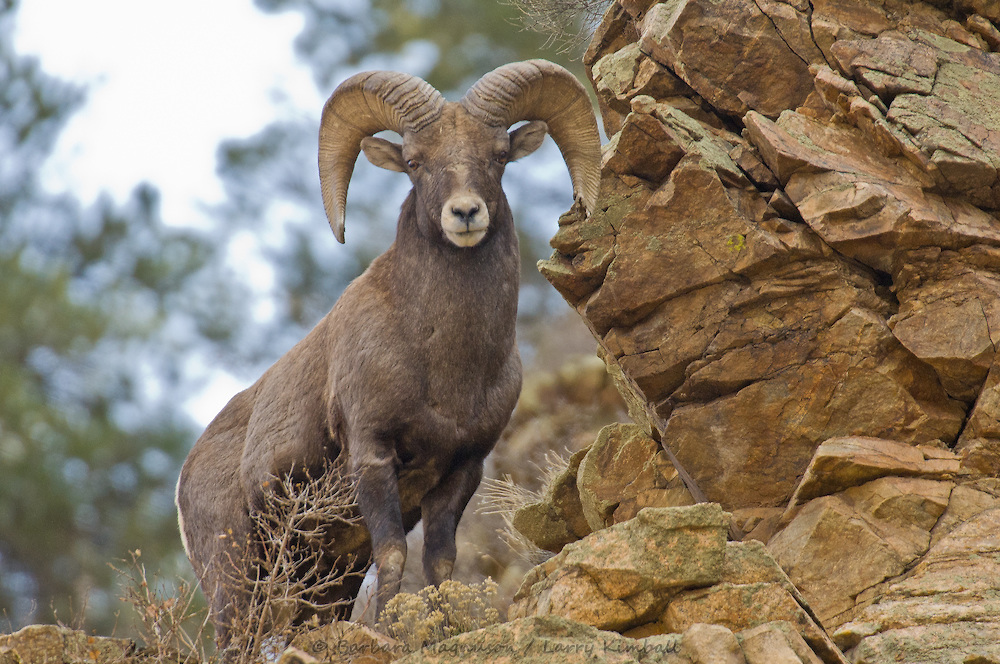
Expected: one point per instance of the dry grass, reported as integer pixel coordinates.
(168, 619)
(504, 497)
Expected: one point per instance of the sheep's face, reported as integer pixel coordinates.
(455, 165)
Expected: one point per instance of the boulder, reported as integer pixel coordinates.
(55, 644)
(557, 518)
(618, 577)
(623, 472)
(753, 68)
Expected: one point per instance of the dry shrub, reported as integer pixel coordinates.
(438, 613)
(568, 24)
(283, 579)
(287, 577)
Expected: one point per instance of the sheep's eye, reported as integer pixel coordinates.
(502, 157)
(412, 164)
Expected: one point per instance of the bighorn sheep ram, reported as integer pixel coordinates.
(410, 379)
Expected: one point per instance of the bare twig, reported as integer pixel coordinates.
(567, 23)
(281, 575)
(169, 621)
(284, 575)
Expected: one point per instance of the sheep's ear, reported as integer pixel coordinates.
(526, 139)
(384, 154)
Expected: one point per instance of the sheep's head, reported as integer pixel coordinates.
(455, 164)
(455, 153)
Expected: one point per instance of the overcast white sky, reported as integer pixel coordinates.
(167, 81)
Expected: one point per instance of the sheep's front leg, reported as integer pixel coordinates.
(441, 510)
(378, 502)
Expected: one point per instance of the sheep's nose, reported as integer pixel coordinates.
(465, 213)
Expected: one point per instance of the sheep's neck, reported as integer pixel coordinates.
(466, 299)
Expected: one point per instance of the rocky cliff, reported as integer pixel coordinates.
(794, 274)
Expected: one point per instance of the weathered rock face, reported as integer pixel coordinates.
(866, 515)
(794, 275)
(945, 610)
(831, 270)
(718, 305)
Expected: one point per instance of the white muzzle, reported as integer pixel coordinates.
(464, 219)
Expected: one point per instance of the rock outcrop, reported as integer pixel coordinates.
(544, 640)
(666, 572)
(794, 275)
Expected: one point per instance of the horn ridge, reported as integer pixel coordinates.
(543, 90)
(361, 106)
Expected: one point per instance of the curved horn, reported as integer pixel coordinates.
(361, 106)
(542, 90)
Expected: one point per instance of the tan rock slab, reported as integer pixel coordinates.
(948, 603)
(839, 546)
(796, 143)
(949, 312)
(840, 463)
(642, 148)
(623, 472)
(753, 68)
(617, 577)
(829, 576)
(954, 339)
